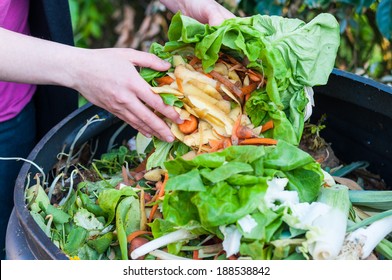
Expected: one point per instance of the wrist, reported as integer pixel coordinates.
(72, 67)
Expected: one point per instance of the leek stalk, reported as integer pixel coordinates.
(360, 243)
(330, 228)
(175, 236)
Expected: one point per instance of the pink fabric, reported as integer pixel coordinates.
(14, 96)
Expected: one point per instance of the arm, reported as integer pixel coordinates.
(105, 77)
(205, 11)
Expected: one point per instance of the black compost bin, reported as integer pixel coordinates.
(359, 126)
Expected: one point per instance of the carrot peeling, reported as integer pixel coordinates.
(247, 97)
(244, 132)
(179, 85)
(165, 80)
(259, 141)
(189, 126)
(267, 126)
(194, 61)
(227, 143)
(160, 194)
(249, 88)
(226, 82)
(254, 76)
(135, 234)
(195, 255)
(215, 145)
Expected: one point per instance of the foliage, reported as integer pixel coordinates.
(89, 18)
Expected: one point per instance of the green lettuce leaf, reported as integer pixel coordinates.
(223, 204)
(171, 99)
(160, 155)
(127, 221)
(108, 200)
(189, 181)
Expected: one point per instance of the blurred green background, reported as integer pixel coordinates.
(365, 25)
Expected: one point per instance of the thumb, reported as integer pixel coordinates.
(217, 17)
(149, 60)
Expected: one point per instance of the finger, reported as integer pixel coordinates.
(149, 60)
(129, 109)
(158, 127)
(153, 100)
(141, 126)
(136, 123)
(217, 15)
(142, 119)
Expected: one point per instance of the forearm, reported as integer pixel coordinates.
(27, 59)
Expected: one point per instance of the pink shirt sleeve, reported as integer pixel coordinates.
(14, 96)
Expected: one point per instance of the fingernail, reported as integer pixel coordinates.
(169, 138)
(166, 63)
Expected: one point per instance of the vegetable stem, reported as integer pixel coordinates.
(368, 238)
(331, 227)
(175, 236)
(166, 256)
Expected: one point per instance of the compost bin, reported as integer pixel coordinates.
(359, 127)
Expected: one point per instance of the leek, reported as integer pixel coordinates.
(162, 255)
(360, 243)
(326, 238)
(381, 200)
(385, 248)
(175, 236)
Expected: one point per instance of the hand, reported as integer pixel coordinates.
(204, 11)
(108, 79)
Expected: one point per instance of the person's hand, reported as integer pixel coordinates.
(108, 79)
(204, 11)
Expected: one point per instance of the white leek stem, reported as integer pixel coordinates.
(371, 236)
(166, 256)
(330, 228)
(175, 236)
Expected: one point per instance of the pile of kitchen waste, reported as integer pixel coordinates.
(241, 180)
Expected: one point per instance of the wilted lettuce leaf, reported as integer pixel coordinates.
(127, 221)
(162, 149)
(108, 200)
